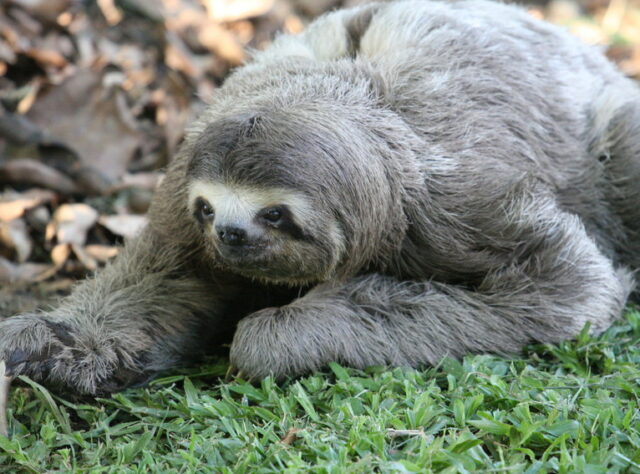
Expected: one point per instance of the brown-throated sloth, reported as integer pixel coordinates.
(400, 183)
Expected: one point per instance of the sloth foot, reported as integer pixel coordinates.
(268, 343)
(52, 352)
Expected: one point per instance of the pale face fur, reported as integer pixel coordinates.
(280, 251)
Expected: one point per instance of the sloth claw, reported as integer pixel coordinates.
(231, 374)
(52, 352)
(32, 346)
(32, 364)
(36, 359)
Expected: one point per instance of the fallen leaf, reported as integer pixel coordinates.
(144, 180)
(7, 54)
(45, 9)
(84, 257)
(72, 223)
(102, 253)
(33, 172)
(47, 57)
(14, 205)
(19, 129)
(112, 13)
(178, 57)
(29, 25)
(15, 240)
(92, 120)
(23, 273)
(231, 10)
(221, 42)
(124, 225)
(60, 254)
(291, 436)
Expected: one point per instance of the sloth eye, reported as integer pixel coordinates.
(204, 211)
(273, 214)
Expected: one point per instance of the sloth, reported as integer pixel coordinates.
(402, 182)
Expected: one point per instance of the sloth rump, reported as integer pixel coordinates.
(402, 182)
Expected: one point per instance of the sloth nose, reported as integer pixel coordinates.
(232, 235)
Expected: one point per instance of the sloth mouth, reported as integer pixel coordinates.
(262, 267)
(246, 257)
(263, 261)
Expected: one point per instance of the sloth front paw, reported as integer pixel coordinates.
(273, 342)
(54, 353)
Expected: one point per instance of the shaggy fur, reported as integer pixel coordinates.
(400, 183)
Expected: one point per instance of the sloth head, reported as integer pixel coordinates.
(295, 196)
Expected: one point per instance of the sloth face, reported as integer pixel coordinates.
(263, 233)
(293, 196)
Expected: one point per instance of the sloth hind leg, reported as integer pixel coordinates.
(563, 283)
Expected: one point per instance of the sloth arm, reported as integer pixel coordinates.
(559, 282)
(143, 313)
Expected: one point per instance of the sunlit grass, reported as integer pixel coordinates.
(567, 408)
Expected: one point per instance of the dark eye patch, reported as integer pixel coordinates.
(284, 221)
(203, 211)
(272, 215)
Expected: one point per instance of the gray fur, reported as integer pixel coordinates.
(474, 176)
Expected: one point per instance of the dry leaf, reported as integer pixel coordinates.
(92, 120)
(18, 129)
(72, 223)
(60, 254)
(124, 225)
(148, 181)
(110, 11)
(291, 436)
(231, 10)
(30, 26)
(25, 272)
(218, 40)
(101, 253)
(178, 56)
(28, 171)
(14, 209)
(47, 57)
(14, 205)
(15, 240)
(7, 54)
(87, 260)
(45, 9)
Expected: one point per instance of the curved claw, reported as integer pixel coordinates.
(231, 374)
(234, 373)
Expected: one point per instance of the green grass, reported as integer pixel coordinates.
(567, 408)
